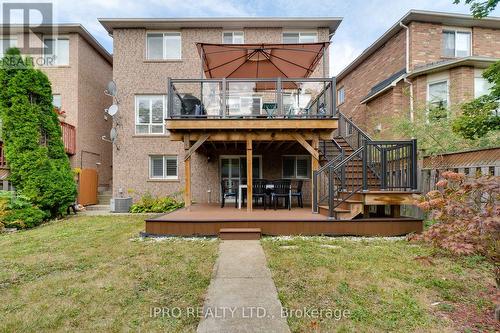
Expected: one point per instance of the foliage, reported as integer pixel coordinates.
(150, 204)
(436, 135)
(468, 215)
(480, 8)
(39, 166)
(18, 212)
(480, 116)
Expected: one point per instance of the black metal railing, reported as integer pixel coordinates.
(251, 98)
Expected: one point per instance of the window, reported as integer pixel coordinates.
(437, 99)
(7, 43)
(341, 95)
(296, 167)
(162, 167)
(456, 43)
(299, 37)
(233, 37)
(57, 102)
(56, 51)
(164, 46)
(149, 114)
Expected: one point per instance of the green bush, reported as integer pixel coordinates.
(151, 204)
(16, 211)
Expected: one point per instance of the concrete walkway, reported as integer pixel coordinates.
(242, 296)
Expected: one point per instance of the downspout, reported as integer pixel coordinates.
(412, 117)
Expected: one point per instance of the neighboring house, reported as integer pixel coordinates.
(426, 61)
(470, 162)
(79, 69)
(217, 107)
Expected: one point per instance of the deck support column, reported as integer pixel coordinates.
(187, 172)
(249, 173)
(314, 166)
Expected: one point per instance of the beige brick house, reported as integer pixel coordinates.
(79, 69)
(424, 60)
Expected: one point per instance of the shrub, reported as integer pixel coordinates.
(467, 216)
(150, 204)
(18, 212)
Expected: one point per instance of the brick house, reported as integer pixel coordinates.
(79, 69)
(425, 60)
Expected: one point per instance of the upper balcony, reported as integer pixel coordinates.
(254, 86)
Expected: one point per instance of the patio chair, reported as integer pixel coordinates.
(297, 192)
(229, 188)
(259, 190)
(281, 190)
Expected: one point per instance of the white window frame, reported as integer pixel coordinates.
(11, 38)
(164, 47)
(232, 32)
(136, 103)
(165, 157)
(435, 81)
(56, 39)
(455, 31)
(300, 34)
(341, 93)
(307, 157)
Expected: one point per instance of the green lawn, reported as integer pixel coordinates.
(93, 274)
(387, 286)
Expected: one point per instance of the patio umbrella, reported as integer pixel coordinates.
(260, 60)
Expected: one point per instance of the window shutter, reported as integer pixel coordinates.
(171, 166)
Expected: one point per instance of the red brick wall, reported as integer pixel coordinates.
(486, 42)
(425, 43)
(387, 60)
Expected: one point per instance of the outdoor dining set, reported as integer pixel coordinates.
(263, 191)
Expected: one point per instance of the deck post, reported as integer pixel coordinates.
(187, 173)
(314, 168)
(249, 173)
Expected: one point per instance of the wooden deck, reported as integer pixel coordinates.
(207, 220)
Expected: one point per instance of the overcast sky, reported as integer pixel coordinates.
(363, 20)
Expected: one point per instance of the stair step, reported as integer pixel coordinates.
(240, 233)
(98, 207)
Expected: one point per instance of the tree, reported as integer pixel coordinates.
(478, 8)
(39, 166)
(481, 116)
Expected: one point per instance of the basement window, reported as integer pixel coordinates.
(296, 166)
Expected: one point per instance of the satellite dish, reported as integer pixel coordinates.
(111, 88)
(113, 134)
(112, 110)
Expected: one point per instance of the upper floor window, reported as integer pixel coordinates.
(149, 114)
(164, 46)
(299, 37)
(56, 51)
(438, 100)
(7, 43)
(341, 95)
(233, 37)
(456, 43)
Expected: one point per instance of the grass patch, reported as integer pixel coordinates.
(386, 285)
(92, 274)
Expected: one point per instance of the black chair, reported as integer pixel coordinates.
(281, 190)
(297, 192)
(229, 188)
(259, 191)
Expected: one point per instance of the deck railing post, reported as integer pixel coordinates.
(414, 167)
(279, 96)
(365, 165)
(223, 97)
(331, 185)
(342, 171)
(315, 192)
(170, 98)
(383, 168)
(333, 87)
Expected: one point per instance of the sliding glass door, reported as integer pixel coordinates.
(234, 167)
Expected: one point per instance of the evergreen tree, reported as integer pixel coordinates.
(39, 166)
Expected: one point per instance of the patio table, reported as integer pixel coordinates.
(270, 109)
(268, 186)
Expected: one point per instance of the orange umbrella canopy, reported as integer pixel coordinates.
(260, 60)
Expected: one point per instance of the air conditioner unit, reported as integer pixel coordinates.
(120, 205)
